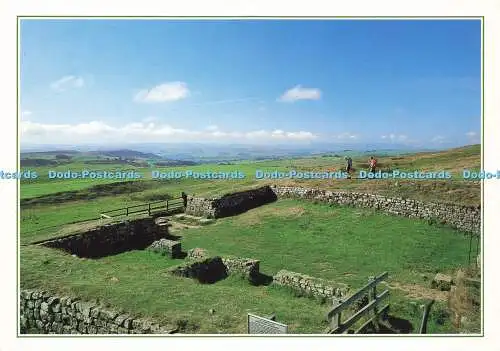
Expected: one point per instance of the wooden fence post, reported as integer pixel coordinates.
(149, 209)
(127, 211)
(372, 296)
(337, 318)
(167, 205)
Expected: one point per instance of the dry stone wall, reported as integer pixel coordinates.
(42, 312)
(310, 286)
(110, 239)
(210, 269)
(165, 247)
(197, 253)
(230, 204)
(247, 267)
(464, 218)
(207, 271)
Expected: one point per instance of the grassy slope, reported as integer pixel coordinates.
(322, 241)
(145, 289)
(455, 190)
(332, 243)
(337, 243)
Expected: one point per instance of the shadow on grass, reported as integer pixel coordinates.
(261, 279)
(391, 325)
(181, 255)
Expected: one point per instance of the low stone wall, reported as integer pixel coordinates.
(247, 267)
(45, 313)
(207, 271)
(310, 286)
(197, 253)
(170, 248)
(109, 239)
(230, 204)
(210, 269)
(464, 218)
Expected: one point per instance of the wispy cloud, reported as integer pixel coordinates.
(300, 93)
(67, 82)
(26, 113)
(473, 137)
(149, 131)
(170, 91)
(346, 136)
(395, 137)
(438, 139)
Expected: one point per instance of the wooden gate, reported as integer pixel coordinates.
(371, 311)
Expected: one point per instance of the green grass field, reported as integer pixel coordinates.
(338, 243)
(318, 240)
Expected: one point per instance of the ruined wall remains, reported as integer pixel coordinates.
(109, 239)
(197, 253)
(230, 204)
(44, 313)
(310, 286)
(464, 218)
(207, 271)
(247, 267)
(211, 269)
(165, 247)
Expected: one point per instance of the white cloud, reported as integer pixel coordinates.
(67, 82)
(346, 136)
(97, 131)
(26, 113)
(170, 91)
(395, 137)
(438, 139)
(473, 137)
(300, 93)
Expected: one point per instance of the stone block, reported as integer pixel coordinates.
(166, 247)
(442, 282)
(197, 253)
(120, 319)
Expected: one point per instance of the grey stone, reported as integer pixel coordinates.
(442, 282)
(119, 320)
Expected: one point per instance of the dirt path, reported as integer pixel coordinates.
(416, 291)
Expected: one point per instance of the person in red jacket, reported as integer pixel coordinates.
(373, 164)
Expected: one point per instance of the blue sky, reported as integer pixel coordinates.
(364, 81)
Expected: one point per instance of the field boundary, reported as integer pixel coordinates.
(334, 316)
(149, 208)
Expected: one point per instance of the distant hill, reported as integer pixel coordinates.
(192, 153)
(36, 162)
(126, 153)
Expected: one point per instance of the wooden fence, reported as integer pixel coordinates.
(149, 208)
(372, 310)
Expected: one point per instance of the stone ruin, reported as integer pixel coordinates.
(109, 239)
(230, 204)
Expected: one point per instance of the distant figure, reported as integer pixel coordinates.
(372, 164)
(184, 198)
(348, 167)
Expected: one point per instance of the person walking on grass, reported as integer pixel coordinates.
(348, 167)
(372, 164)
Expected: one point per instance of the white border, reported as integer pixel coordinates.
(8, 160)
